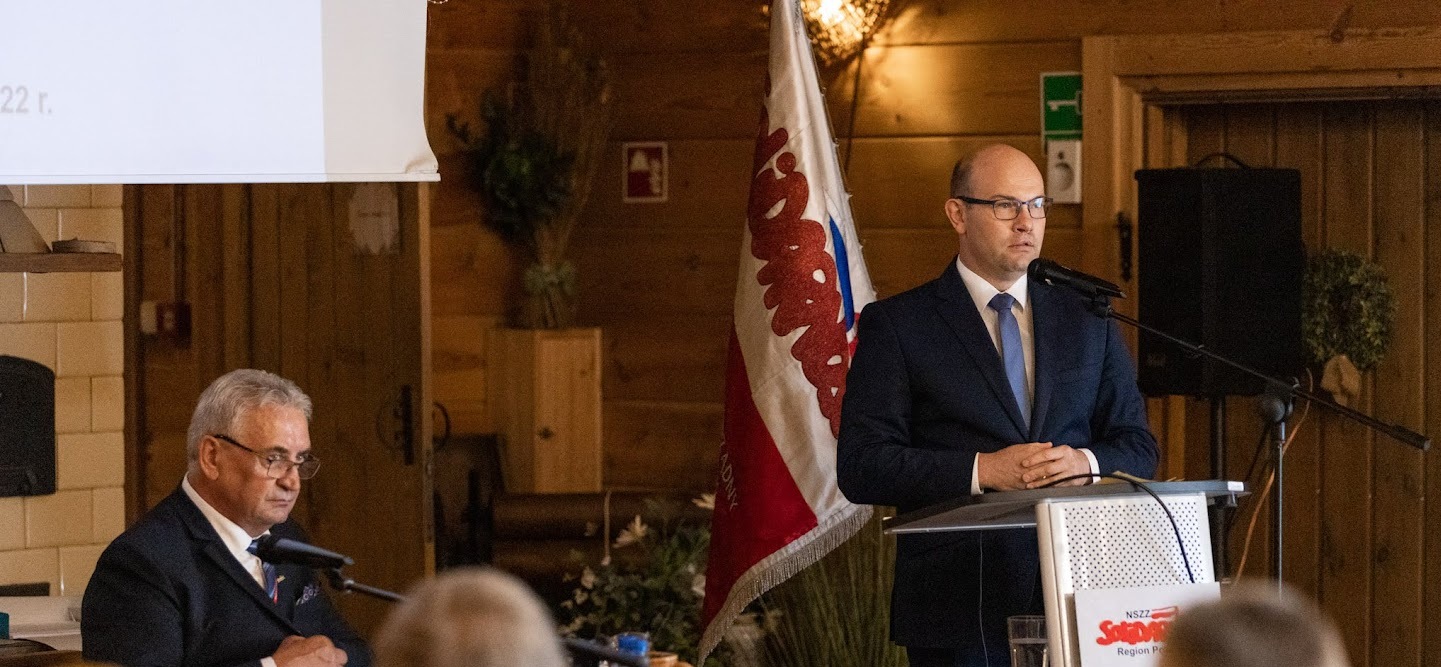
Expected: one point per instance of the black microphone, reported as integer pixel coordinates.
(1052, 273)
(285, 551)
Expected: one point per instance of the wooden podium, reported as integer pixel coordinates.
(1101, 536)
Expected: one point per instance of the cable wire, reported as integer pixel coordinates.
(1147, 488)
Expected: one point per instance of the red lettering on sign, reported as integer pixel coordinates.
(1132, 632)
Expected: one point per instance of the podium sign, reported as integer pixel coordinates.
(1125, 627)
(1100, 537)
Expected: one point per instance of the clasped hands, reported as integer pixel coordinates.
(313, 651)
(1031, 465)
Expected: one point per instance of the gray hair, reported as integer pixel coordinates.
(469, 617)
(231, 396)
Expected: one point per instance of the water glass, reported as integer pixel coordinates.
(1028, 641)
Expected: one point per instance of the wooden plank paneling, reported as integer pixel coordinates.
(1279, 52)
(459, 343)
(1250, 137)
(709, 184)
(942, 21)
(265, 286)
(1347, 484)
(283, 293)
(1205, 134)
(1355, 507)
(455, 82)
(652, 445)
(679, 358)
(895, 182)
(903, 182)
(1298, 145)
(646, 273)
(494, 24)
(1399, 211)
(952, 89)
(663, 27)
(235, 280)
(688, 95)
(473, 271)
(1430, 335)
(900, 259)
(320, 329)
(303, 208)
(199, 206)
(1165, 141)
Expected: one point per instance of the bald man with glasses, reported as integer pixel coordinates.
(979, 381)
(183, 586)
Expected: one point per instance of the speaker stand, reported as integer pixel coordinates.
(1274, 407)
(1220, 521)
(1101, 307)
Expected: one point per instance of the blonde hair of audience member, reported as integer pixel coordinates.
(470, 617)
(1254, 627)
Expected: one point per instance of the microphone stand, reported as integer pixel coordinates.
(1275, 406)
(345, 584)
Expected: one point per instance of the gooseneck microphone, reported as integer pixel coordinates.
(285, 551)
(1051, 273)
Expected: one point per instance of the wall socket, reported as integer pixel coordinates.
(1063, 170)
(165, 319)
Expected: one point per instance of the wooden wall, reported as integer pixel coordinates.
(275, 280)
(945, 77)
(1358, 531)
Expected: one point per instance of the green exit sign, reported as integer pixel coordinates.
(1061, 105)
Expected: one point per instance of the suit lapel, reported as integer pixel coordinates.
(1046, 336)
(209, 542)
(959, 311)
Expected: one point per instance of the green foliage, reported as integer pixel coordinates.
(1346, 308)
(536, 161)
(524, 178)
(655, 584)
(837, 611)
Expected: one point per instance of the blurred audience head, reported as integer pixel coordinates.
(1254, 626)
(470, 617)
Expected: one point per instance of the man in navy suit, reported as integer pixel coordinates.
(980, 381)
(181, 587)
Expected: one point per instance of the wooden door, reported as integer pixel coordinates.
(1356, 518)
(297, 280)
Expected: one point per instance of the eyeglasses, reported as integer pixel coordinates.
(278, 465)
(1008, 209)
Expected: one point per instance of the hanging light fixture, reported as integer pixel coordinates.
(839, 29)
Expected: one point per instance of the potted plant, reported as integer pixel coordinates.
(655, 584)
(533, 165)
(535, 161)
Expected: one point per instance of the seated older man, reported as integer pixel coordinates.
(181, 587)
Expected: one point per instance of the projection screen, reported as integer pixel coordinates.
(203, 91)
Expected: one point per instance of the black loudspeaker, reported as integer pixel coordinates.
(27, 428)
(1221, 265)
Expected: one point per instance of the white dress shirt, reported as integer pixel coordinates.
(981, 294)
(236, 540)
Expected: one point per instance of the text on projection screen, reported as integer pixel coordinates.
(171, 91)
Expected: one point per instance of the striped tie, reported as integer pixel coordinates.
(272, 584)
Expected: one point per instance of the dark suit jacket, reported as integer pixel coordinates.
(168, 593)
(926, 392)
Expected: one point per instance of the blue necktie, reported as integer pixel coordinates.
(1011, 354)
(272, 584)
